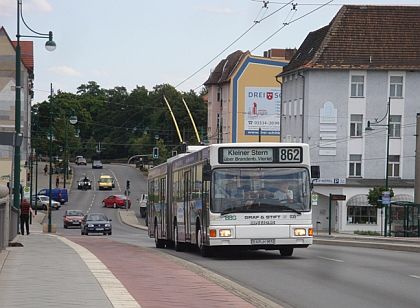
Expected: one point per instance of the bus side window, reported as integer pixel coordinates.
(207, 172)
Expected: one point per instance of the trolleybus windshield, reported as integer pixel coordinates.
(260, 190)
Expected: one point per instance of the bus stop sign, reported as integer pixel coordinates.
(386, 198)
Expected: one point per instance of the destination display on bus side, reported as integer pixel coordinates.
(260, 155)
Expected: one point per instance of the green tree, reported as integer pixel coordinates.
(375, 196)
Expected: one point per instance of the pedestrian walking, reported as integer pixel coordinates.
(45, 169)
(57, 181)
(25, 211)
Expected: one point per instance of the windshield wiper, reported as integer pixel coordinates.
(241, 209)
(292, 209)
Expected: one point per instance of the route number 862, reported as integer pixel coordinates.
(290, 155)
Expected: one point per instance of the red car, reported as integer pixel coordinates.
(116, 201)
(72, 218)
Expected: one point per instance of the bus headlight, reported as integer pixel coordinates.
(225, 232)
(300, 232)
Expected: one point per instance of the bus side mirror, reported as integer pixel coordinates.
(207, 172)
(315, 173)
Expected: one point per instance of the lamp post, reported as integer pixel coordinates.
(50, 136)
(73, 120)
(369, 127)
(50, 46)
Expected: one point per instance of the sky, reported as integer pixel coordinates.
(133, 43)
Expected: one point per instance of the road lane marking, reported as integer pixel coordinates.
(117, 294)
(329, 259)
(116, 180)
(414, 276)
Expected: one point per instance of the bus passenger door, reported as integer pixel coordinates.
(164, 206)
(187, 201)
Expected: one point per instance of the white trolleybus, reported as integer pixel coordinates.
(239, 195)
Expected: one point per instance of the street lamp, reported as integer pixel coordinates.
(73, 121)
(50, 46)
(369, 128)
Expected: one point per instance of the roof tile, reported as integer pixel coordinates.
(364, 37)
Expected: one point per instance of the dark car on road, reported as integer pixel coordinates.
(116, 201)
(72, 218)
(84, 183)
(96, 223)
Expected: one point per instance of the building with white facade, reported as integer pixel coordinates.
(7, 102)
(342, 76)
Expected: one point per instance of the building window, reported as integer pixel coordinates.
(284, 111)
(301, 106)
(394, 165)
(395, 126)
(396, 86)
(355, 165)
(356, 123)
(357, 86)
(361, 215)
(219, 95)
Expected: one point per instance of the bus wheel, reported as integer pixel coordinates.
(158, 243)
(205, 251)
(177, 245)
(286, 251)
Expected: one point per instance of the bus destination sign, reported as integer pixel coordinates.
(244, 155)
(247, 155)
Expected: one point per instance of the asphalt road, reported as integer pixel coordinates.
(320, 276)
(90, 201)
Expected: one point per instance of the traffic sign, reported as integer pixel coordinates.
(386, 198)
(314, 198)
(338, 197)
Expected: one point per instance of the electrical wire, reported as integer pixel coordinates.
(290, 22)
(230, 45)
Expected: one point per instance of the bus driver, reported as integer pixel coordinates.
(284, 193)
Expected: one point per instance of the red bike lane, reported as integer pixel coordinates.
(156, 281)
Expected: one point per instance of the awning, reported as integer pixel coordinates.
(358, 200)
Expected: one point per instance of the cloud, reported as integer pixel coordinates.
(65, 71)
(38, 5)
(7, 7)
(217, 10)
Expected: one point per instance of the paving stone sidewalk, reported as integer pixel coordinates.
(46, 272)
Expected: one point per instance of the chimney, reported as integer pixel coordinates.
(285, 54)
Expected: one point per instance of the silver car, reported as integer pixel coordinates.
(41, 202)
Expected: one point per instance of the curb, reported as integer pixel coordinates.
(3, 257)
(115, 291)
(370, 244)
(124, 221)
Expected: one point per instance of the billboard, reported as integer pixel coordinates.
(262, 111)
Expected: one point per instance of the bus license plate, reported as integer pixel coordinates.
(268, 241)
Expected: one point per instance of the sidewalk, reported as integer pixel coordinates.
(411, 244)
(76, 271)
(46, 272)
